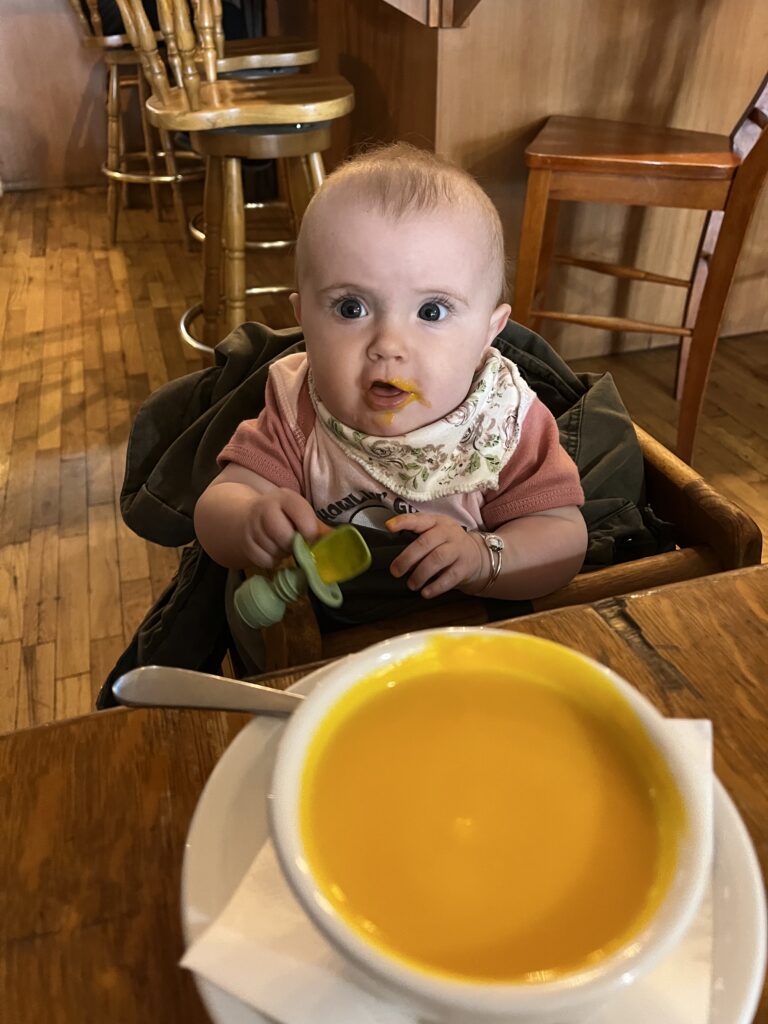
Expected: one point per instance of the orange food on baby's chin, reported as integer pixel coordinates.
(490, 812)
(411, 393)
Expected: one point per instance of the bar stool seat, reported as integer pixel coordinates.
(233, 103)
(286, 117)
(273, 53)
(241, 60)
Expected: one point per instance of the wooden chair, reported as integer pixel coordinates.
(283, 118)
(124, 72)
(586, 160)
(714, 536)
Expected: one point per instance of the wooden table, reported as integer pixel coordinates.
(94, 810)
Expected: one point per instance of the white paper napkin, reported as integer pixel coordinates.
(265, 951)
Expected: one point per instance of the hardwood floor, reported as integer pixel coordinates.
(86, 332)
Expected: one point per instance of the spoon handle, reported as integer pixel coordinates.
(163, 686)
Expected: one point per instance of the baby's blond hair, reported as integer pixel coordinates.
(399, 179)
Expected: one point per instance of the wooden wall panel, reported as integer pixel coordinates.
(692, 64)
(391, 60)
(52, 123)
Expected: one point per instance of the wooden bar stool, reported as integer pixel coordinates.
(585, 160)
(124, 72)
(285, 118)
(241, 59)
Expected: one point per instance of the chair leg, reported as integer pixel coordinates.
(695, 293)
(234, 243)
(545, 258)
(531, 243)
(113, 149)
(213, 205)
(166, 141)
(149, 142)
(125, 188)
(706, 330)
(299, 186)
(316, 170)
(698, 283)
(284, 193)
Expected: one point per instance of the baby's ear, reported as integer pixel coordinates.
(498, 321)
(296, 303)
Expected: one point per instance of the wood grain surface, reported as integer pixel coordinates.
(482, 93)
(94, 811)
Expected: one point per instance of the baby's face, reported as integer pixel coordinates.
(397, 313)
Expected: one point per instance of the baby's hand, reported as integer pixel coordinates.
(443, 550)
(276, 516)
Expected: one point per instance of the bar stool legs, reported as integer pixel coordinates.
(116, 166)
(149, 144)
(223, 201)
(113, 148)
(301, 172)
(316, 170)
(179, 205)
(213, 201)
(234, 244)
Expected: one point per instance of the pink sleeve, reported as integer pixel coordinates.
(268, 446)
(539, 476)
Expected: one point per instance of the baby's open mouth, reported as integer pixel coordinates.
(386, 389)
(390, 396)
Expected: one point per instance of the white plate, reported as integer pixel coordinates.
(230, 826)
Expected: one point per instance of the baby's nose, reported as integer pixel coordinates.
(387, 343)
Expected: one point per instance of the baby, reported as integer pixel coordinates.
(401, 415)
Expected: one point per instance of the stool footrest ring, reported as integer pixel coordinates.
(197, 232)
(191, 314)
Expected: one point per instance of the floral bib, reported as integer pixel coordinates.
(464, 451)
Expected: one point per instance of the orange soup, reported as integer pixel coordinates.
(491, 810)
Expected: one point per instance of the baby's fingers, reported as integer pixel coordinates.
(415, 552)
(261, 558)
(438, 560)
(452, 577)
(414, 522)
(301, 516)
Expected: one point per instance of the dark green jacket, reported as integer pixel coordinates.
(182, 427)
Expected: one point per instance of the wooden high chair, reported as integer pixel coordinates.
(286, 118)
(584, 160)
(715, 535)
(124, 72)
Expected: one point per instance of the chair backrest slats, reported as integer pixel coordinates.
(749, 140)
(95, 17)
(142, 37)
(168, 29)
(187, 45)
(206, 31)
(86, 26)
(752, 123)
(218, 19)
(746, 137)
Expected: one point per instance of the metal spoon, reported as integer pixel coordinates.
(166, 687)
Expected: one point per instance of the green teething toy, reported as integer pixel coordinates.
(340, 555)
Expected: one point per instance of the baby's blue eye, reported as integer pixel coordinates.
(351, 309)
(433, 311)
